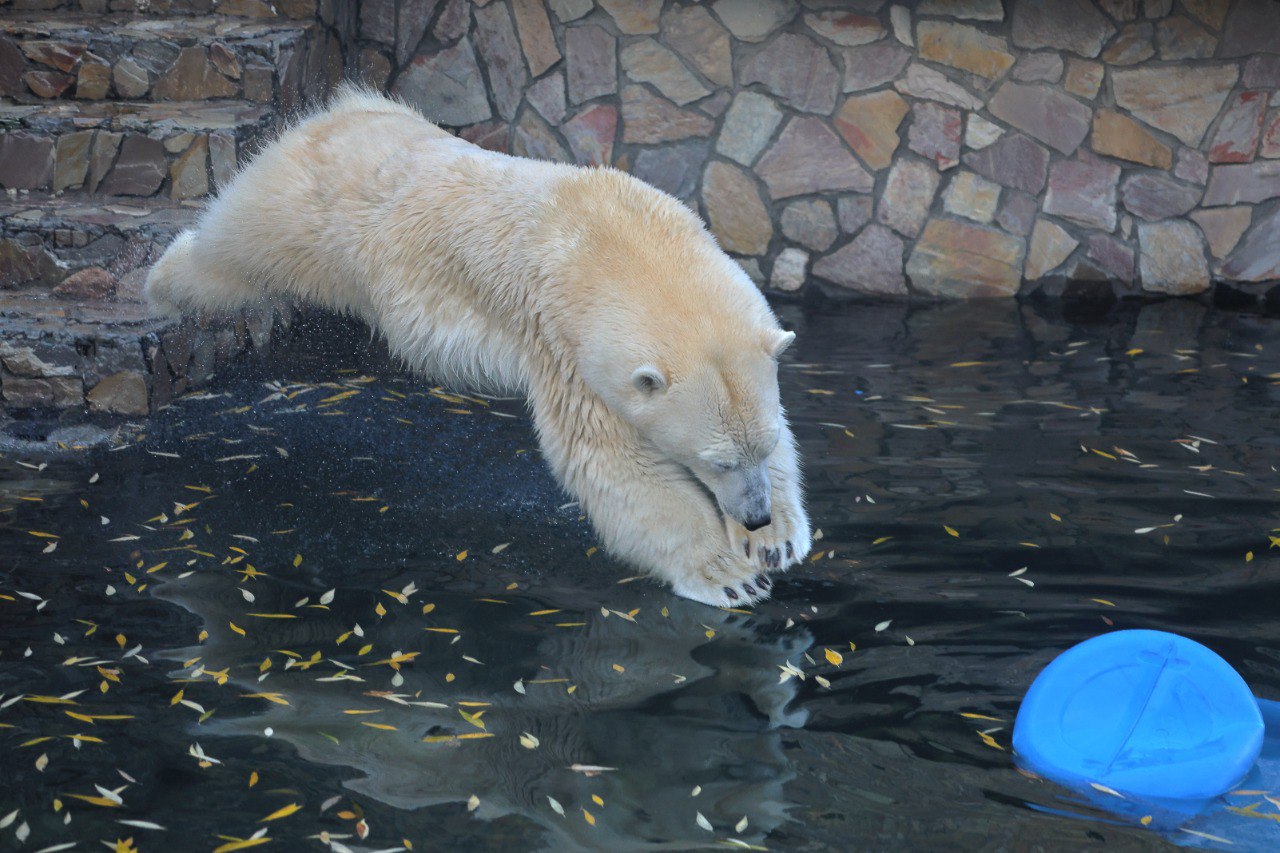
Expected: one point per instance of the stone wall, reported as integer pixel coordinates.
(940, 148)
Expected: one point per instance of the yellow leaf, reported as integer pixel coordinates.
(277, 698)
(42, 535)
(834, 657)
(882, 539)
(473, 719)
(97, 801)
(283, 811)
(461, 555)
(951, 531)
(236, 628)
(1103, 601)
(240, 844)
(297, 560)
(253, 778)
(383, 726)
(990, 741)
(972, 716)
(590, 818)
(1248, 558)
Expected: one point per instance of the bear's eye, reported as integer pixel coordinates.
(724, 466)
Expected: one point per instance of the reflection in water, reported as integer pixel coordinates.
(994, 483)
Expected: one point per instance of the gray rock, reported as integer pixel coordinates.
(140, 167)
(871, 263)
(649, 119)
(673, 168)
(1192, 166)
(1182, 100)
(1112, 257)
(797, 70)
(972, 197)
(753, 20)
(1014, 161)
(735, 212)
(748, 126)
(845, 28)
(413, 16)
(378, 20)
(570, 10)
(536, 36)
(1245, 182)
(131, 79)
(1251, 29)
(935, 133)
(447, 86)
(533, 137)
(808, 158)
(696, 36)
(547, 97)
(1084, 191)
(26, 160)
(1171, 258)
(495, 36)
(71, 158)
(1261, 72)
(646, 61)
(1017, 213)
(591, 133)
(872, 65)
(590, 57)
(974, 10)
(1258, 257)
(789, 269)
(1043, 112)
(924, 82)
(854, 211)
(811, 223)
(1038, 67)
(1073, 25)
(1154, 196)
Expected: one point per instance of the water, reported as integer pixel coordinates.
(1043, 441)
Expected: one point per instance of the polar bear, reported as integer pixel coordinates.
(648, 358)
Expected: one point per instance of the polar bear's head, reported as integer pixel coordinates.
(708, 403)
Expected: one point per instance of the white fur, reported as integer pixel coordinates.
(554, 281)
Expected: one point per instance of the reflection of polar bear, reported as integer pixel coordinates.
(647, 355)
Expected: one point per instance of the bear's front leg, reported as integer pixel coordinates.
(647, 510)
(786, 539)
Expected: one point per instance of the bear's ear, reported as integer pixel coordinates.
(649, 379)
(776, 342)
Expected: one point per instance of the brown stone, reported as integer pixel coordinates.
(932, 85)
(224, 60)
(1117, 135)
(797, 70)
(1171, 258)
(646, 61)
(1270, 147)
(1113, 258)
(734, 210)
(753, 20)
(869, 123)
(845, 28)
(696, 36)
(590, 57)
(871, 263)
(1084, 78)
(1261, 72)
(634, 17)
(105, 145)
(1041, 67)
(955, 259)
(854, 211)
(489, 135)
(1181, 38)
(1043, 112)
(93, 80)
(908, 194)
(1236, 139)
(1223, 227)
(1122, 10)
(1181, 100)
(570, 10)
(192, 78)
(131, 79)
(1084, 191)
(536, 38)
(1250, 28)
(20, 264)
(648, 119)
(12, 66)
(808, 157)
(56, 391)
(972, 197)
(222, 157)
(189, 174)
(935, 133)
(447, 86)
(47, 84)
(1191, 166)
(26, 160)
(140, 167)
(1017, 212)
(377, 19)
(374, 68)
(547, 97)
(963, 46)
(71, 159)
(123, 393)
(88, 283)
(62, 56)
(590, 134)
(1212, 12)
(258, 82)
(1050, 246)
(412, 17)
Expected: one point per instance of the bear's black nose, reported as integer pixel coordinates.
(757, 523)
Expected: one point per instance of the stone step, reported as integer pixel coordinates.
(94, 57)
(296, 9)
(172, 149)
(84, 248)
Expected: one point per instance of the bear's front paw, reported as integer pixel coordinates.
(724, 581)
(777, 546)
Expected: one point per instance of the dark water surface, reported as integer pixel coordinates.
(946, 448)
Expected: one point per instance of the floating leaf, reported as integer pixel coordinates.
(283, 811)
